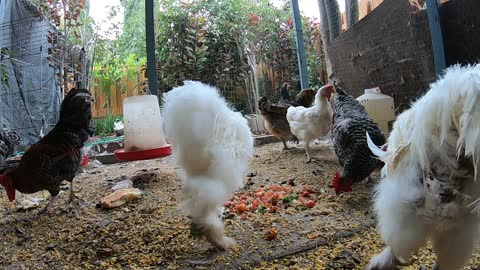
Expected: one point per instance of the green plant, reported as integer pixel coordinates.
(104, 126)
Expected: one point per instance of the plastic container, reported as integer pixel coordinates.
(142, 123)
(256, 123)
(380, 108)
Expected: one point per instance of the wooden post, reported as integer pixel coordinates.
(437, 36)
(301, 55)
(150, 32)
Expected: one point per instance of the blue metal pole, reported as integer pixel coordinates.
(301, 55)
(150, 38)
(437, 36)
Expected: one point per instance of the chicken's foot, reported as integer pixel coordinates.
(47, 208)
(74, 201)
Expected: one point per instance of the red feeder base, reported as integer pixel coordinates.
(120, 154)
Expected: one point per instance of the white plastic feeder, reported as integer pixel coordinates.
(143, 134)
(380, 108)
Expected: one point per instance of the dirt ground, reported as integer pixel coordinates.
(338, 232)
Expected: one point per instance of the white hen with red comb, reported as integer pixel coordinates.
(314, 122)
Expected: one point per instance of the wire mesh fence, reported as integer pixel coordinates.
(32, 56)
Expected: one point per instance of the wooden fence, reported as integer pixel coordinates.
(101, 108)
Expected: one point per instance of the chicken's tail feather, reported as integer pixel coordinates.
(377, 151)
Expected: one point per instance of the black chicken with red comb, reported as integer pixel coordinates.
(57, 156)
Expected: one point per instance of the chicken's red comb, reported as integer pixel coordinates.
(344, 186)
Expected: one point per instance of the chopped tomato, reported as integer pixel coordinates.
(241, 207)
(305, 194)
(310, 204)
(271, 234)
(259, 193)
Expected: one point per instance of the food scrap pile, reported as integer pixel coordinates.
(271, 199)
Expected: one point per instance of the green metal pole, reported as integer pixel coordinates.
(301, 55)
(437, 36)
(150, 32)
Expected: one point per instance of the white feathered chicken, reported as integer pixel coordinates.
(212, 145)
(308, 124)
(430, 189)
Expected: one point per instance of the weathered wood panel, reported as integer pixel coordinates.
(389, 48)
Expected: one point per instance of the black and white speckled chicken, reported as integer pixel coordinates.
(350, 124)
(9, 141)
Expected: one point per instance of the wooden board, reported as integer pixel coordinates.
(390, 48)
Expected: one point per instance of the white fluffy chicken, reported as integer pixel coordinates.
(308, 124)
(430, 189)
(212, 145)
